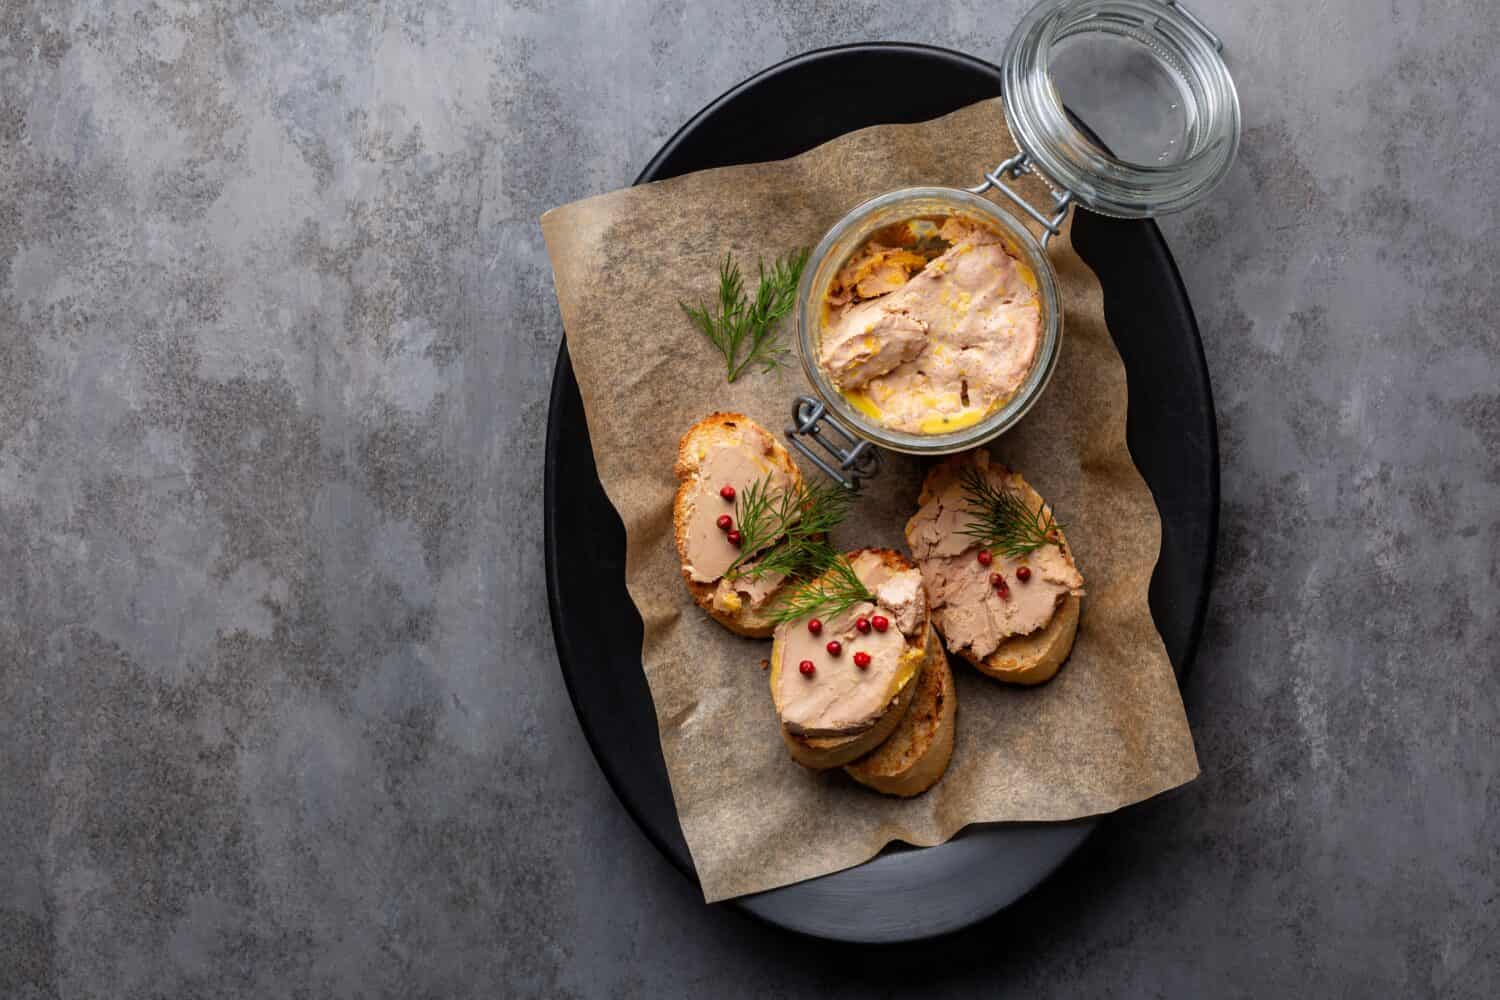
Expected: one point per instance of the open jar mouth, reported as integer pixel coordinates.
(1165, 81)
(848, 235)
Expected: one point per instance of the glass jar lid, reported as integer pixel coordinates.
(1147, 78)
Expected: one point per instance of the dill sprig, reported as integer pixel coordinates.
(785, 531)
(1002, 521)
(834, 591)
(793, 558)
(787, 524)
(745, 330)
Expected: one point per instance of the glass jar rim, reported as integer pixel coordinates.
(1072, 159)
(907, 201)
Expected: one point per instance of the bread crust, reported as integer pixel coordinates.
(1022, 659)
(719, 428)
(821, 753)
(1035, 658)
(916, 755)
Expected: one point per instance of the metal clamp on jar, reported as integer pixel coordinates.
(1157, 54)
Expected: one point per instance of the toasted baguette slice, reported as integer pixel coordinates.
(1034, 658)
(824, 752)
(916, 755)
(1022, 659)
(732, 610)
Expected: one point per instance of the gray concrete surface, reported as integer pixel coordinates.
(279, 709)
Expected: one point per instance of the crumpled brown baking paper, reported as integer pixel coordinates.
(1109, 730)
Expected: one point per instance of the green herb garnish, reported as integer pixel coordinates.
(834, 591)
(1002, 521)
(788, 525)
(785, 531)
(746, 330)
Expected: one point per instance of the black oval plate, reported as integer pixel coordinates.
(903, 894)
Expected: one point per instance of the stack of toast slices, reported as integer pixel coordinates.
(897, 739)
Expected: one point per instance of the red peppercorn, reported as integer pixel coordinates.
(996, 580)
(727, 492)
(1004, 593)
(725, 522)
(984, 557)
(1023, 573)
(734, 538)
(862, 659)
(807, 668)
(834, 647)
(880, 623)
(814, 626)
(863, 624)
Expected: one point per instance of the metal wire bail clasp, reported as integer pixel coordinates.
(1197, 22)
(1018, 166)
(856, 460)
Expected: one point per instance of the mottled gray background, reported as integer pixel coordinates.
(279, 708)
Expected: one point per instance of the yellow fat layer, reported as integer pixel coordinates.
(775, 665)
(861, 401)
(941, 425)
(934, 424)
(911, 662)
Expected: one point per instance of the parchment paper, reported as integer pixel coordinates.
(1109, 730)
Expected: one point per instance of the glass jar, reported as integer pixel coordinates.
(849, 234)
(1157, 77)
(1171, 82)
